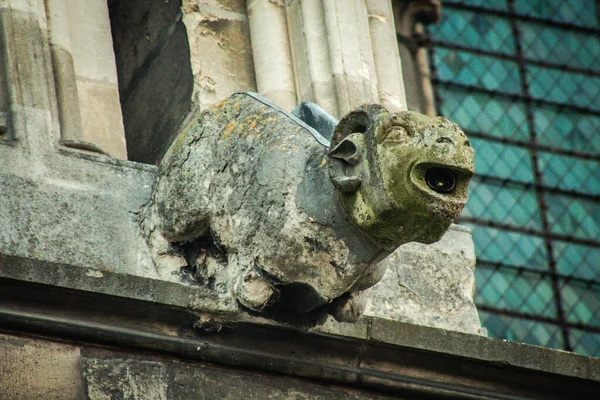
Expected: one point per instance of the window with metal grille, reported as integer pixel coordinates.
(522, 77)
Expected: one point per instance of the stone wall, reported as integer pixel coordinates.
(65, 344)
(42, 369)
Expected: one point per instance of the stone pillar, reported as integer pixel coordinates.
(336, 50)
(220, 50)
(26, 106)
(271, 52)
(310, 53)
(390, 83)
(410, 15)
(85, 76)
(65, 80)
(351, 53)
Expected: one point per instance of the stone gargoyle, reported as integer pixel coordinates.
(261, 206)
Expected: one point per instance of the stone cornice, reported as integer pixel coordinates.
(378, 354)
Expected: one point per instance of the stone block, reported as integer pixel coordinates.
(35, 369)
(101, 117)
(358, 329)
(74, 211)
(124, 379)
(430, 285)
(137, 379)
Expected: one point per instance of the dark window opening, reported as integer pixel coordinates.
(155, 76)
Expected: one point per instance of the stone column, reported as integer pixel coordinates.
(336, 53)
(25, 84)
(431, 285)
(85, 76)
(65, 81)
(410, 15)
(310, 52)
(271, 52)
(390, 83)
(351, 53)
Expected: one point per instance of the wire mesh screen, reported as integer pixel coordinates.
(522, 77)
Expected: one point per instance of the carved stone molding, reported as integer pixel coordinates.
(409, 12)
(409, 16)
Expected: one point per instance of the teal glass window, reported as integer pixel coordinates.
(522, 77)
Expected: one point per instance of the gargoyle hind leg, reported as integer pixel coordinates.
(348, 307)
(167, 259)
(252, 290)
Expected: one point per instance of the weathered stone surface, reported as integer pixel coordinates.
(117, 378)
(248, 194)
(35, 369)
(429, 285)
(262, 362)
(112, 378)
(101, 117)
(87, 25)
(72, 210)
(218, 28)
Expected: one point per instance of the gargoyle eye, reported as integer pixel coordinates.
(445, 139)
(402, 131)
(397, 134)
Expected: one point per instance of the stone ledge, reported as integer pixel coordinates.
(475, 347)
(107, 282)
(157, 315)
(70, 220)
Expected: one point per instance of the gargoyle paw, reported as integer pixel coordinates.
(348, 307)
(253, 291)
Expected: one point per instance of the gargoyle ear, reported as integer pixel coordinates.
(342, 160)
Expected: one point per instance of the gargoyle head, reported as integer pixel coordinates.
(402, 177)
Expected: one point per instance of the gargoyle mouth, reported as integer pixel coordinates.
(440, 179)
(449, 181)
